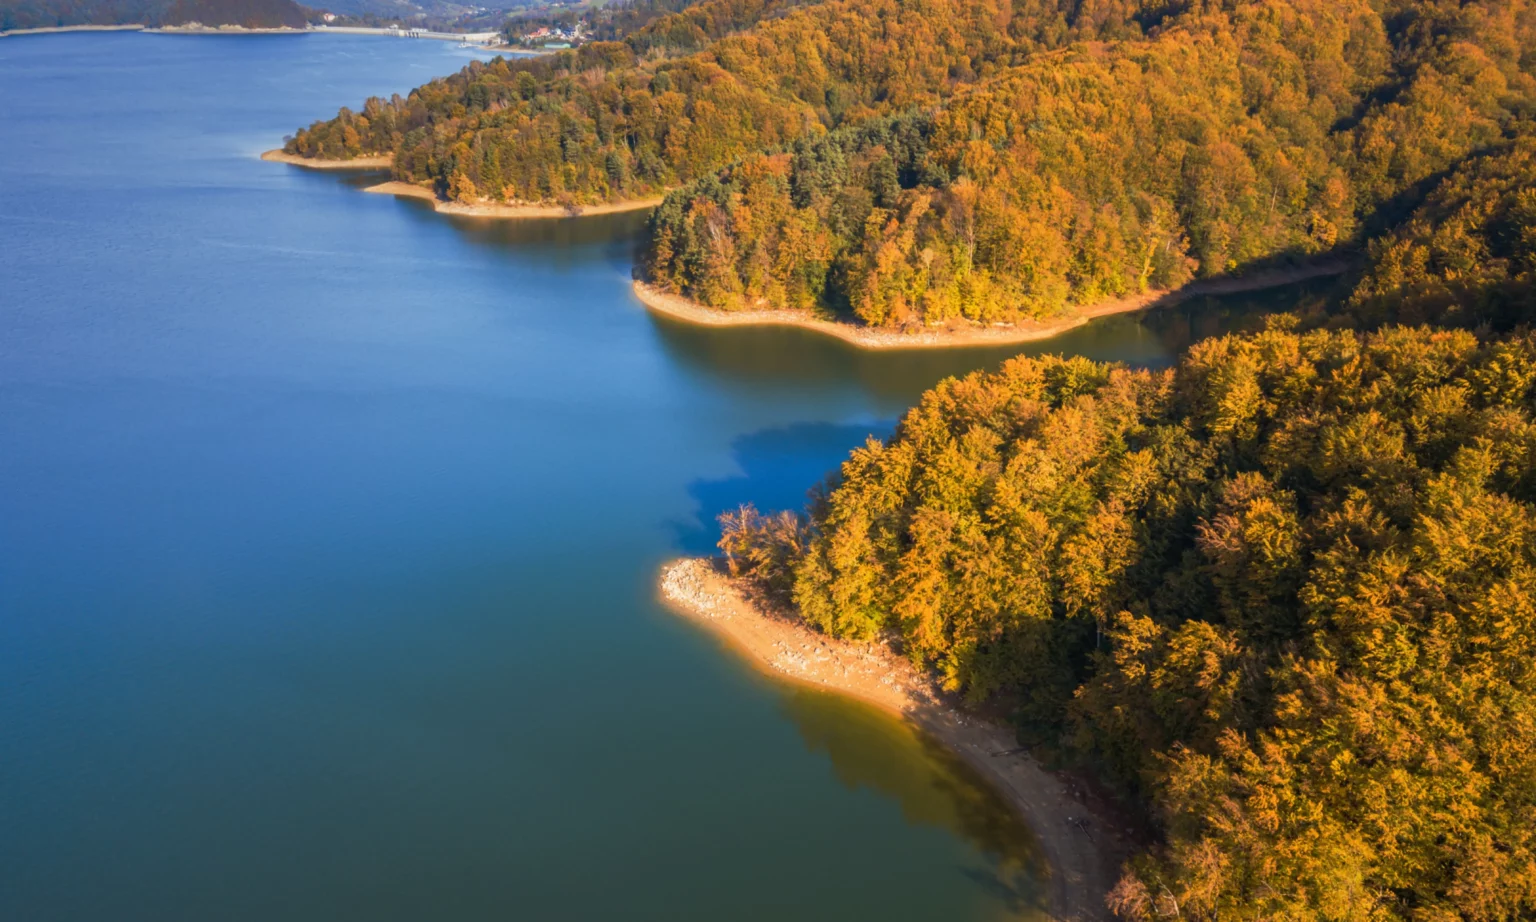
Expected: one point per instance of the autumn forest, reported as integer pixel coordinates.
(1280, 598)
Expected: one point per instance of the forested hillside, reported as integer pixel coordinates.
(47, 14)
(622, 120)
(251, 14)
(1274, 130)
(1467, 256)
(1282, 597)
(1076, 153)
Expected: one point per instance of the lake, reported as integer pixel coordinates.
(329, 529)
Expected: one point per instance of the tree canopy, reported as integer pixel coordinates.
(250, 14)
(1467, 255)
(691, 93)
(1280, 596)
(1233, 137)
(1283, 596)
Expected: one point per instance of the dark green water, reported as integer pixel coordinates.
(329, 528)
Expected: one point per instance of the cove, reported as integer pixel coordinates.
(329, 528)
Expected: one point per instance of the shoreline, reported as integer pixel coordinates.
(380, 162)
(477, 210)
(54, 30)
(478, 39)
(1082, 850)
(189, 29)
(686, 310)
(200, 29)
(500, 210)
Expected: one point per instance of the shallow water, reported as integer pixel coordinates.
(328, 532)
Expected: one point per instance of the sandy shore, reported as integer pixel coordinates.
(189, 29)
(1082, 849)
(196, 28)
(50, 30)
(967, 334)
(499, 210)
(381, 162)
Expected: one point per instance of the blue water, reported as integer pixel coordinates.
(329, 529)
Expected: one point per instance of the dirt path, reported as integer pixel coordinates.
(1082, 849)
(969, 334)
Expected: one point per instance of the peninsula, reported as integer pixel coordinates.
(1081, 847)
(489, 209)
(1278, 598)
(375, 162)
(960, 333)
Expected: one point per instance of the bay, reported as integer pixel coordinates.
(329, 529)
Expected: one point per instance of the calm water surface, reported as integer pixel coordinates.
(328, 532)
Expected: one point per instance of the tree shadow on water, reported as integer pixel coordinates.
(872, 750)
(618, 234)
(767, 359)
(1017, 891)
(779, 468)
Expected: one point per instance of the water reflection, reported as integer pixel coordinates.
(759, 358)
(581, 230)
(779, 467)
(870, 749)
(865, 748)
(766, 360)
(623, 230)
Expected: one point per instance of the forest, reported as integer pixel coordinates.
(909, 163)
(691, 93)
(251, 14)
(1279, 598)
(1264, 134)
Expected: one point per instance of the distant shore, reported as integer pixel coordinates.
(501, 210)
(478, 39)
(50, 30)
(188, 29)
(687, 310)
(1083, 852)
(197, 28)
(381, 162)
